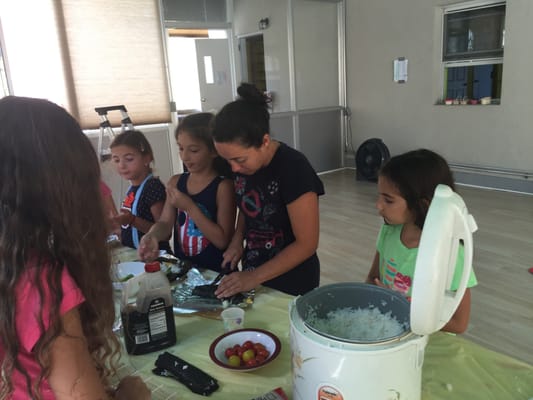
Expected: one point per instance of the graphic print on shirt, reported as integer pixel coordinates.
(127, 204)
(251, 204)
(259, 205)
(193, 241)
(240, 183)
(394, 279)
(128, 201)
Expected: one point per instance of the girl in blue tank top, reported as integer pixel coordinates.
(200, 204)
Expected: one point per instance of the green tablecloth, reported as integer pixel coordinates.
(454, 367)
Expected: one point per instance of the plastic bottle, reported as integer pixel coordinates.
(149, 321)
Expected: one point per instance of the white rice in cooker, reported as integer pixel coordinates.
(367, 324)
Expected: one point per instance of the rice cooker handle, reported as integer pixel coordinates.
(469, 226)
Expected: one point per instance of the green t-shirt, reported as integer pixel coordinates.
(397, 262)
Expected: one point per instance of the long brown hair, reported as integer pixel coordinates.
(48, 171)
(200, 127)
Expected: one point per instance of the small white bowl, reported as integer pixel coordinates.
(230, 339)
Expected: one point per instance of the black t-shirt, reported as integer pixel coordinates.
(263, 198)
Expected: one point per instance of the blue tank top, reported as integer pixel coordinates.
(189, 241)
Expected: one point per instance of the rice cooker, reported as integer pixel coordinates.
(329, 367)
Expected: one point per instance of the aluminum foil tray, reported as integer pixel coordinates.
(186, 303)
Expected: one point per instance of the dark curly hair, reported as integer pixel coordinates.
(48, 171)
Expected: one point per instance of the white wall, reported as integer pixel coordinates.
(247, 14)
(316, 54)
(404, 115)
(302, 70)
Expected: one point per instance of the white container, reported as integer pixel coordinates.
(232, 318)
(153, 284)
(326, 367)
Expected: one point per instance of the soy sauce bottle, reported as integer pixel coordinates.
(148, 322)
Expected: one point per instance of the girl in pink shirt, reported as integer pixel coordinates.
(56, 297)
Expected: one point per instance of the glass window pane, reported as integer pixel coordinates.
(33, 60)
(208, 66)
(474, 82)
(474, 34)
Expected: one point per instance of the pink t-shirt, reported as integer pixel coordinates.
(106, 190)
(29, 309)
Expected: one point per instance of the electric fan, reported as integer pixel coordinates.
(369, 158)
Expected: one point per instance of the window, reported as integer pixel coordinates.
(83, 54)
(472, 53)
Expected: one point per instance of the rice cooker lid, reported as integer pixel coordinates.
(448, 225)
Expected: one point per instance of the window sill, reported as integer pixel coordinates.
(467, 105)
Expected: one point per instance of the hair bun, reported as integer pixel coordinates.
(250, 93)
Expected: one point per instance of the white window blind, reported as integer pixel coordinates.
(84, 54)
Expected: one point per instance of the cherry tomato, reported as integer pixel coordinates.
(248, 355)
(258, 346)
(234, 361)
(230, 351)
(251, 363)
(263, 352)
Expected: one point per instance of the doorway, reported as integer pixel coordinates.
(200, 69)
(252, 52)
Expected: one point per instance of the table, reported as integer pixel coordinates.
(454, 367)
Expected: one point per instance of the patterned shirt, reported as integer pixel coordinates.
(153, 192)
(189, 242)
(263, 198)
(397, 262)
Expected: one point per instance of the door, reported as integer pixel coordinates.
(214, 73)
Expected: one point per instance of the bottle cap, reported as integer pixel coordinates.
(152, 267)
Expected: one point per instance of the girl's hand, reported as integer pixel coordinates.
(148, 248)
(232, 256)
(132, 388)
(179, 199)
(236, 282)
(125, 217)
(378, 282)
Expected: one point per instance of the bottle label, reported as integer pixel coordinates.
(141, 333)
(157, 319)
